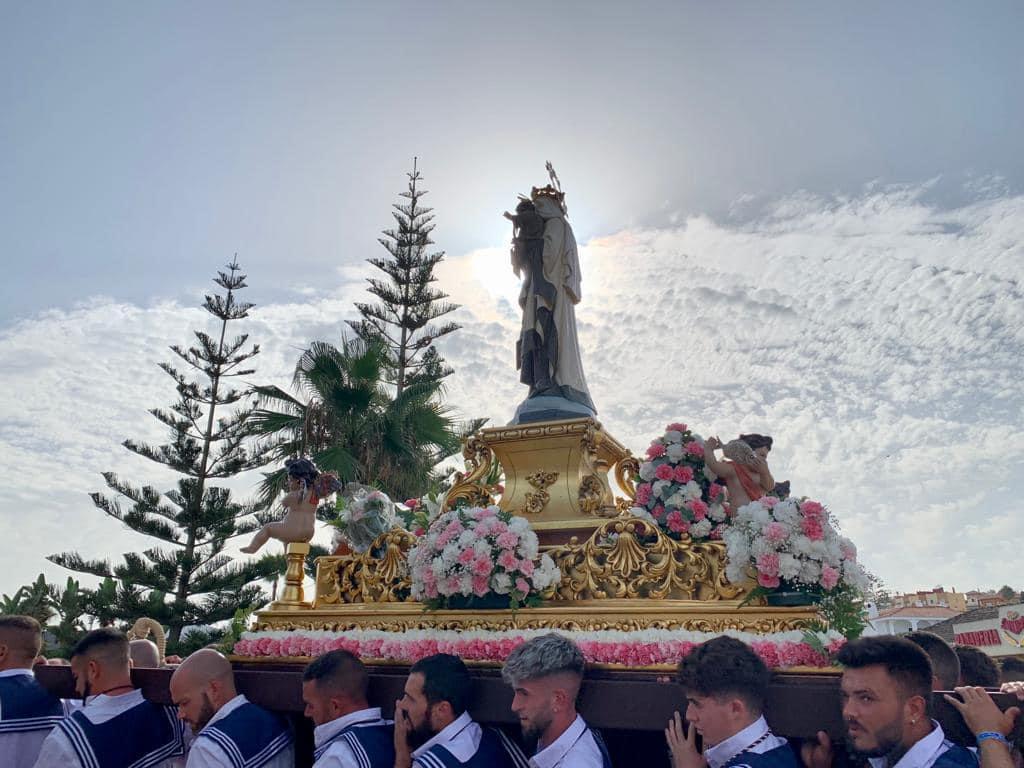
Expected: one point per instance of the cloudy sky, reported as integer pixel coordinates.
(795, 219)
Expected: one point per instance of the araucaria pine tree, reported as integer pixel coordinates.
(402, 321)
(189, 580)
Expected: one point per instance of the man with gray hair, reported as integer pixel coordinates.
(546, 673)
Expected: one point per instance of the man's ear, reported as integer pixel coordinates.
(3, 652)
(916, 708)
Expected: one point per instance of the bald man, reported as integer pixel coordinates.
(117, 727)
(231, 732)
(144, 654)
(27, 711)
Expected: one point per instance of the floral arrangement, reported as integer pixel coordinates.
(779, 650)
(479, 555)
(416, 514)
(675, 490)
(363, 515)
(792, 545)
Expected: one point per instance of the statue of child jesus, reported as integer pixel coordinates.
(527, 226)
(306, 487)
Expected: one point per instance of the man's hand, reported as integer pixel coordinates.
(403, 726)
(510, 217)
(817, 754)
(981, 713)
(682, 744)
(1015, 687)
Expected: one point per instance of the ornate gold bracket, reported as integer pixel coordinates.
(293, 596)
(379, 575)
(632, 558)
(535, 502)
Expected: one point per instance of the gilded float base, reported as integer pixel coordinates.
(581, 615)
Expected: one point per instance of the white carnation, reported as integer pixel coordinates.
(502, 583)
(716, 512)
(789, 566)
(647, 471)
(674, 436)
(692, 491)
(701, 529)
(675, 452)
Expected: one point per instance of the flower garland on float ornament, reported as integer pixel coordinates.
(675, 489)
(792, 545)
(479, 552)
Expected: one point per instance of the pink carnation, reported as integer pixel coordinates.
(812, 528)
(655, 450)
(774, 532)
(675, 427)
(526, 567)
(714, 491)
(829, 576)
(675, 522)
(508, 540)
(412, 503)
(522, 585)
(698, 508)
(482, 567)
(811, 508)
(507, 560)
(694, 448)
(466, 556)
(768, 565)
(657, 512)
(481, 585)
(682, 474)
(769, 582)
(664, 472)
(769, 501)
(643, 493)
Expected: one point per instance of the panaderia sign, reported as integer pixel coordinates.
(1001, 636)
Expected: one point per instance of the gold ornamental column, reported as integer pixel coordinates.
(292, 596)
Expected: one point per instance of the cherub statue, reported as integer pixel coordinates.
(527, 235)
(745, 472)
(306, 487)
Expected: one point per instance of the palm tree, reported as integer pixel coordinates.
(344, 416)
(32, 600)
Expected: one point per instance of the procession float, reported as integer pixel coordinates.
(556, 526)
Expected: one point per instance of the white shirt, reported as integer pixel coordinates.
(57, 751)
(461, 737)
(205, 753)
(21, 749)
(575, 748)
(339, 754)
(747, 740)
(923, 754)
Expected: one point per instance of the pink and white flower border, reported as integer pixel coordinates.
(654, 647)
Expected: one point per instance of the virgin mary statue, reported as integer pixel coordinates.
(548, 351)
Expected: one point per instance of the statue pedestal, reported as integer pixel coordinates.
(556, 475)
(292, 596)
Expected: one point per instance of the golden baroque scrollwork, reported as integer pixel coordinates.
(469, 485)
(379, 575)
(632, 558)
(537, 500)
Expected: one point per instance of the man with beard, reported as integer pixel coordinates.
(349, 733)
(230, 731)
(886, 692)
(433, 728)
(546, 673)
(725, 684)
(116, 727)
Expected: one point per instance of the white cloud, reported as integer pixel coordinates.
(879, 339)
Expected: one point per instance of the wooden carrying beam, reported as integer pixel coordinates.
(631, 708)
